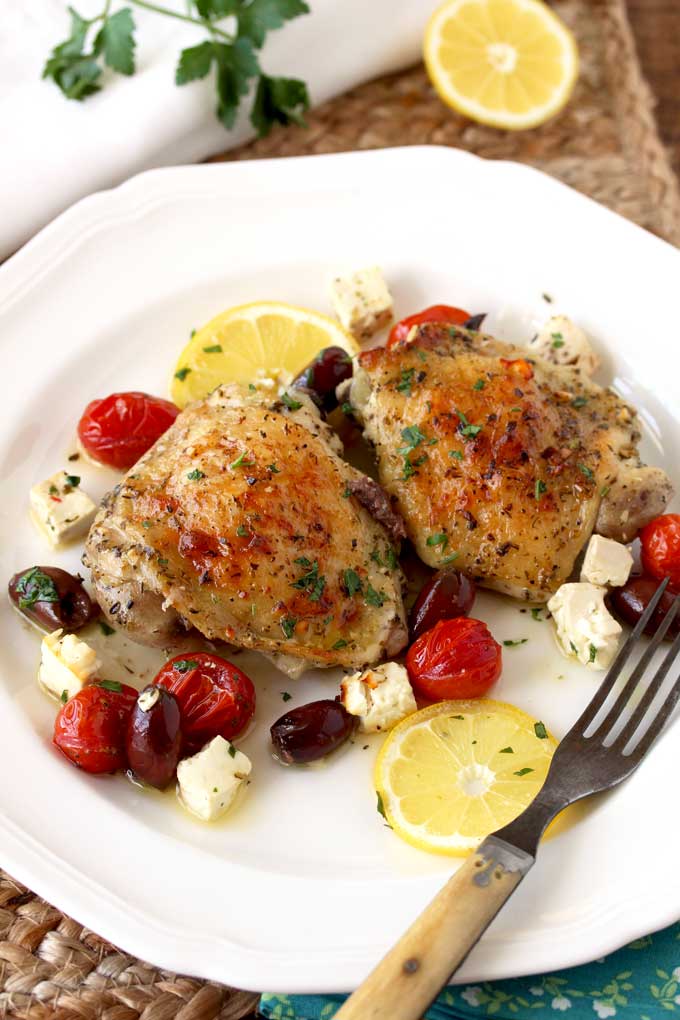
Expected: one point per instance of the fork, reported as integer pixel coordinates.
(593, 756)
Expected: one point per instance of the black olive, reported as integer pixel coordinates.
(330, 367)
(630, 601)
(446, 595)
(311, 731)
(154, 736)
(475, 321)
(52, 598)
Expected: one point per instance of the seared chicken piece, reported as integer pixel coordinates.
(241, 521)
(501, 460)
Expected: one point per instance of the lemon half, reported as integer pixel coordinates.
(452, 773)
(508, 63)
(266, 338)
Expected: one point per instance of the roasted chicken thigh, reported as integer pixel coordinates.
(242, 521)
(499, 459)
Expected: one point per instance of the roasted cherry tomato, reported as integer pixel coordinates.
(435, 313)
(446, 595)
(456, 659)
(120, 428)
(215, 698)
(660, 548)
(90, 728)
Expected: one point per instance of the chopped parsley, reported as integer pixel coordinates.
(557, 340)
(288, 625)
(347, 493)
(450, 558)
(585, 470)
(352, 582)
(109, 685)
(375, 556)
(539, 488)
(252, 387)
(391, 558)
(340, 643)
(465, 428)
(347, 409)
(540, 731)
(182, 373)
(406, 381)
(285, 696)
(380, 807)
(373, 597)
(592, 653)
(573, 647)
(241, 461)
(479, 385)
(36, 586)
(413, 437)
(506, 750)
(579, 402)
(290, 402)
(147, 524)
(410, 465)
(53, 490)
(73, 481)
(458, 454)
(273, 468)
(184, 665)
(536, 614)
(514, 644)
(196, 475)
(215, 349)
(310, 582)
(439, 538)
(523, 772)
(604, 491)
(64, 697)
(242, 531)
(232, 750)
(106, 630)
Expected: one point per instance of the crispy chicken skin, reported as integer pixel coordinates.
(240, 521)
(501, 458)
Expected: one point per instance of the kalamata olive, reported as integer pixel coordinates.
(52, 598)
(630, 602)
(475, 322)
(331, 366)
(311, 731)
(445, 596)
(154, 736)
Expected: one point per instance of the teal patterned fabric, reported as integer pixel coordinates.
(639, 982)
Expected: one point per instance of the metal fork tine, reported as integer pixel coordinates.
(591, 710)
(651, 692)
(659, 720)
(639, 671)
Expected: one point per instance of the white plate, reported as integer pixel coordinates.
(303, 888)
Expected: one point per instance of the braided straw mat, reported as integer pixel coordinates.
(606, 145)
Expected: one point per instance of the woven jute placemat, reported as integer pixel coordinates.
(606, 145)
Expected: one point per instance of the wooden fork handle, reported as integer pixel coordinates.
(415, 970)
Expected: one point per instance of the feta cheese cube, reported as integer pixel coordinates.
(584, 626)
(66, 664)
(380, 697)
(61, 510)
(606, 562)
(362, 302)
(562, 342)
(209, 780)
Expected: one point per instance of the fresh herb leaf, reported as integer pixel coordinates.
(352, 582)
(465, 428)
(273, 468)
(573, 647)
(406, 381)
(184, 665)
(215, 349)
(261, 16)
(514, 644)
(109, 685)
(375, 556)
(36, 586)
(592, 653)
(579, 402)
(450, 558)
(196, 475)
(242, 531)
(72, 69)
(539, 488)
(557, 340)
(458, 454)
(106, 630)
(540, 731)
(340, 643)
(604, 491)
(194, 63)
(182, 373)
(411, 465)
(116, 40)
(523, 772)
(311, 582)
(241, 461)
(536, 614)
(391, 558)
(506, 750)
(288, 625)
(413, 437)
(585, 470)
(290, 402)
(373, 597)
(278, 101)
(439, 538)
(72, 480)
(64, 697)
(380, 807)
(480, 384)
(285, 696)
(232, 753)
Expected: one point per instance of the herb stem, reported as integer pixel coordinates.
(200, 22)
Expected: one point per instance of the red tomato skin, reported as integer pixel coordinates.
(660, 548)
(90, 728)
(435, 313)
(118, 429)
(215, 698)
(456, 659)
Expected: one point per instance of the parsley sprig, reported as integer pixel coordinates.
(108, 40)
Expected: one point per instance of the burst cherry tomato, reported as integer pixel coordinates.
(120, 428)
(215, 698)
(90, 727)
(435, 313)
(660, 552)
(456, 659)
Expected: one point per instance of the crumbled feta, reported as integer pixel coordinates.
(61, 510)
(562, 342)
(380, 697)
(606, 562)
(66, 664)
(362, 302)
(585, 627)
(209, 780)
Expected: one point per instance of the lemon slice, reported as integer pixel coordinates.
(508, 63)
(266, 338)
(452, 773)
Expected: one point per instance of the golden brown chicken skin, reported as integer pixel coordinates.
(500, 462)
(241, 522)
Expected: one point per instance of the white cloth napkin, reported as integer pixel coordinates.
(54, 150)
